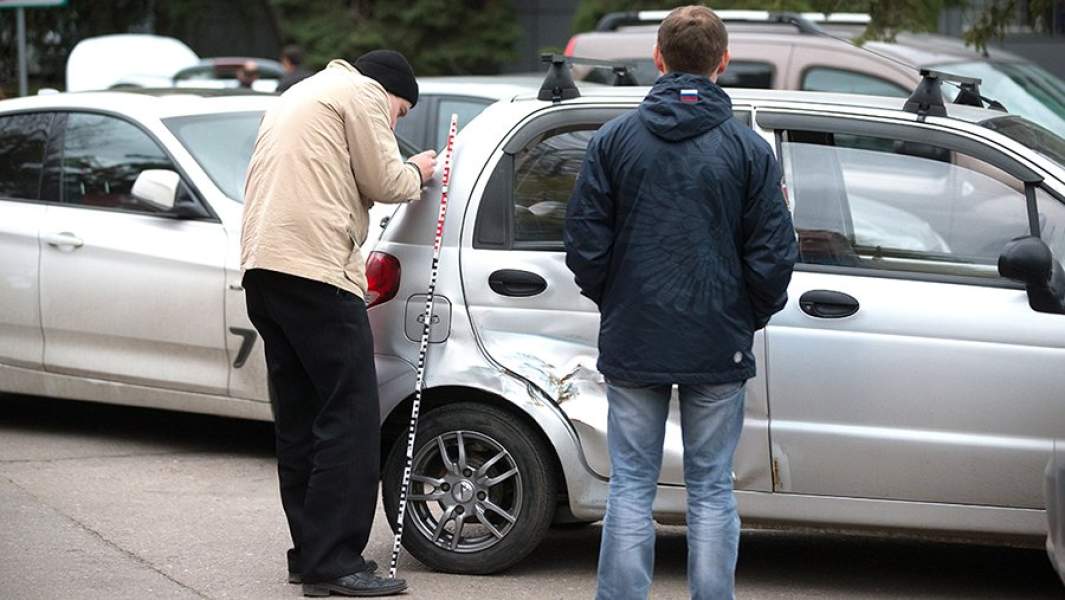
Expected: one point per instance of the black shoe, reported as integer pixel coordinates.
(294, 577)
(356, 584)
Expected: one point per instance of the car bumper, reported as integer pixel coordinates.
(1055, 497)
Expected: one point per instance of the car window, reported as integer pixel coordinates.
(747, 74)
(222, 144)
(22, 141)
(1023, 88)
(412, 126)
(544, 176)
(828, 79)
(915, 207)
(465, 108)
(102, 157)
(739, 74)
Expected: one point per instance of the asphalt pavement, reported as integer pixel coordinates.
(114, 502)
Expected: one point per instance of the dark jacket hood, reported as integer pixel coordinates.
(672, 115)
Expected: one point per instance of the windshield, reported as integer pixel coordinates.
(222, 143)
(1030, 135)
(1023, 88)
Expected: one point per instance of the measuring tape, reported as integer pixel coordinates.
(424, 345)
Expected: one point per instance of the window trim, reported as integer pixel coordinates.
(777, 120)
(185, 179)
(998, 282)
(806, 72)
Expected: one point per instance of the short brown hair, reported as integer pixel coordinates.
(692, 39)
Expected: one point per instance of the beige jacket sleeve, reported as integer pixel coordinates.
(375, 160)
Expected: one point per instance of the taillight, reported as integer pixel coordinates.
(571, 46)
(382, 278)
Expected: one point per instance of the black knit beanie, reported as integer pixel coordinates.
(392, 71)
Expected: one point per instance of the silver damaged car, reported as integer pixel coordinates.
(911, 383)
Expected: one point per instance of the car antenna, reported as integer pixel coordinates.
(927, 97)
(558, 84)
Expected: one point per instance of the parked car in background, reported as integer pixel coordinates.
(120, 216)
(884, 408)
(786, 51)
(222, 73)
(126, 60)
(120, 220)
(426, 124)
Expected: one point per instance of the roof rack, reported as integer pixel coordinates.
(805, 22)
(927, 98)
(558, 83)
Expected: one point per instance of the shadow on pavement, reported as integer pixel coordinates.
(172, 431)
(839, 565)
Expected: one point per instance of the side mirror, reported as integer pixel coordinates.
(1029, 261)
(157, 187)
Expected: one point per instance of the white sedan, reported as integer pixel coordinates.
(120, 219)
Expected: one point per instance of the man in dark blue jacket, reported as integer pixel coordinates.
(679, 231)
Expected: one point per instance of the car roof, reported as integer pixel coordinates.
(144, 103)
(493, 87)
(855, 103)
(914, 49)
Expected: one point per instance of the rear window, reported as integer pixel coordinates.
(828, 79)
(739, 74)
(22, 140)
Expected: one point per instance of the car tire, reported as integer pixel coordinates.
(489, 542)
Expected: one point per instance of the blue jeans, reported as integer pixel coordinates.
(711, 421)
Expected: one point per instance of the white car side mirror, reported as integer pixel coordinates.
(157, 187)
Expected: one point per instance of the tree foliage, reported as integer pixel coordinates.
(437, 36)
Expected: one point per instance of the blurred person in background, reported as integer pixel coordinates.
(247, 74)
(292, 63)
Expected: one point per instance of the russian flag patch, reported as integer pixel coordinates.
(689, 96)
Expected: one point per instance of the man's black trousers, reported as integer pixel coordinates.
(319, 356)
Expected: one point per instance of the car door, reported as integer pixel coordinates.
(903, 367)
(128, 292)
(22, 146)
(529, 314)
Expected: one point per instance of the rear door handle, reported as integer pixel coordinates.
(828, 304)
(63, 240)
(518, 284)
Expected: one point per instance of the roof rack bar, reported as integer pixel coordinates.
(927, 98)
(838, 18)
(804, 22)
(558, 83)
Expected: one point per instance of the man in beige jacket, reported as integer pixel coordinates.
(325, 153)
